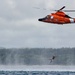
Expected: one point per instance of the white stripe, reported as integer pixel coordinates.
(72, 20)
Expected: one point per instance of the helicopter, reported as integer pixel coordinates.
(59, 17)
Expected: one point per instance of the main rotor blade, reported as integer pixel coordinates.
(40, 8)
(69, 10)
(55, 10)
(65, 10)
(62, 8)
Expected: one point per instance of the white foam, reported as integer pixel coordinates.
(36, 68)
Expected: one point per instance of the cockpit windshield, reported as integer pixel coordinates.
(47, 16)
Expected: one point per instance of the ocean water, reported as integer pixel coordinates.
(37, 73)
(36, 70)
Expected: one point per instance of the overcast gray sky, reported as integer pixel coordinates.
(19, 25)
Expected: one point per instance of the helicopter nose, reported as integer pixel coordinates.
(39, 19)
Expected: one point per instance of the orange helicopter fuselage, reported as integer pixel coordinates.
(58, 18)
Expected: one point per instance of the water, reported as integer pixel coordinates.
(36, 73)
(36, 70)
(36, 62)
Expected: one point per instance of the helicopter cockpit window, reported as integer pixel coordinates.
(47, 16)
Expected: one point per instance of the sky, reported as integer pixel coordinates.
(19, 25)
